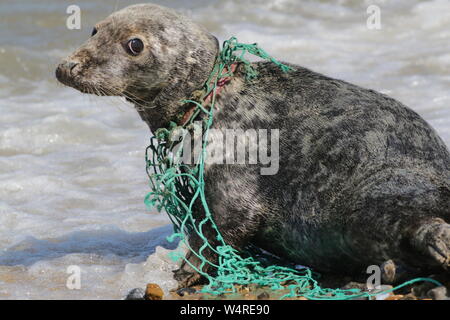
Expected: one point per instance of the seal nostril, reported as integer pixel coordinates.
(71, 66)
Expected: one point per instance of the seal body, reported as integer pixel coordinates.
(362, 178)
(359, 173)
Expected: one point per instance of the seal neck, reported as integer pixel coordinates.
(185, 116)
(184, 79)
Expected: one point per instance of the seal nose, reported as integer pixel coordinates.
(66, 70)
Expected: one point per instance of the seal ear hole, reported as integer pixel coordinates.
(134, 46)
(94, 32)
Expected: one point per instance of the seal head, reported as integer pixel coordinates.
(147, 53)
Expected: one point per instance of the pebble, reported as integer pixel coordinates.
(355, 285)
(153, 292)
(383, 295)
(136, 294)
(421, 290)
(395, 297)
(186, 291)
(409, 296)
(388, 271)
(263, 296)
(439, 293)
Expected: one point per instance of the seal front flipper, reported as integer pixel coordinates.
(186, 275)
(203, 256)
(197, 259)
(200, 258)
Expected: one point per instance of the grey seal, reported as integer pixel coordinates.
(362, 178)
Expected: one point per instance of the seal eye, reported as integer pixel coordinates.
(135, 46)
(94, 32)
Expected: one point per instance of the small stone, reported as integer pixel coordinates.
(421, 290)
(395, 297)
(439, 293)
(263, 296)
(153, 292)
(355, 285)
(135, 294)
(409, 296)
(381, 292)
(250, 296)
(244, 289)
(186, 291)
(388, 271)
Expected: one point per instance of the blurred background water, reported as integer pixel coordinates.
(72, 166)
